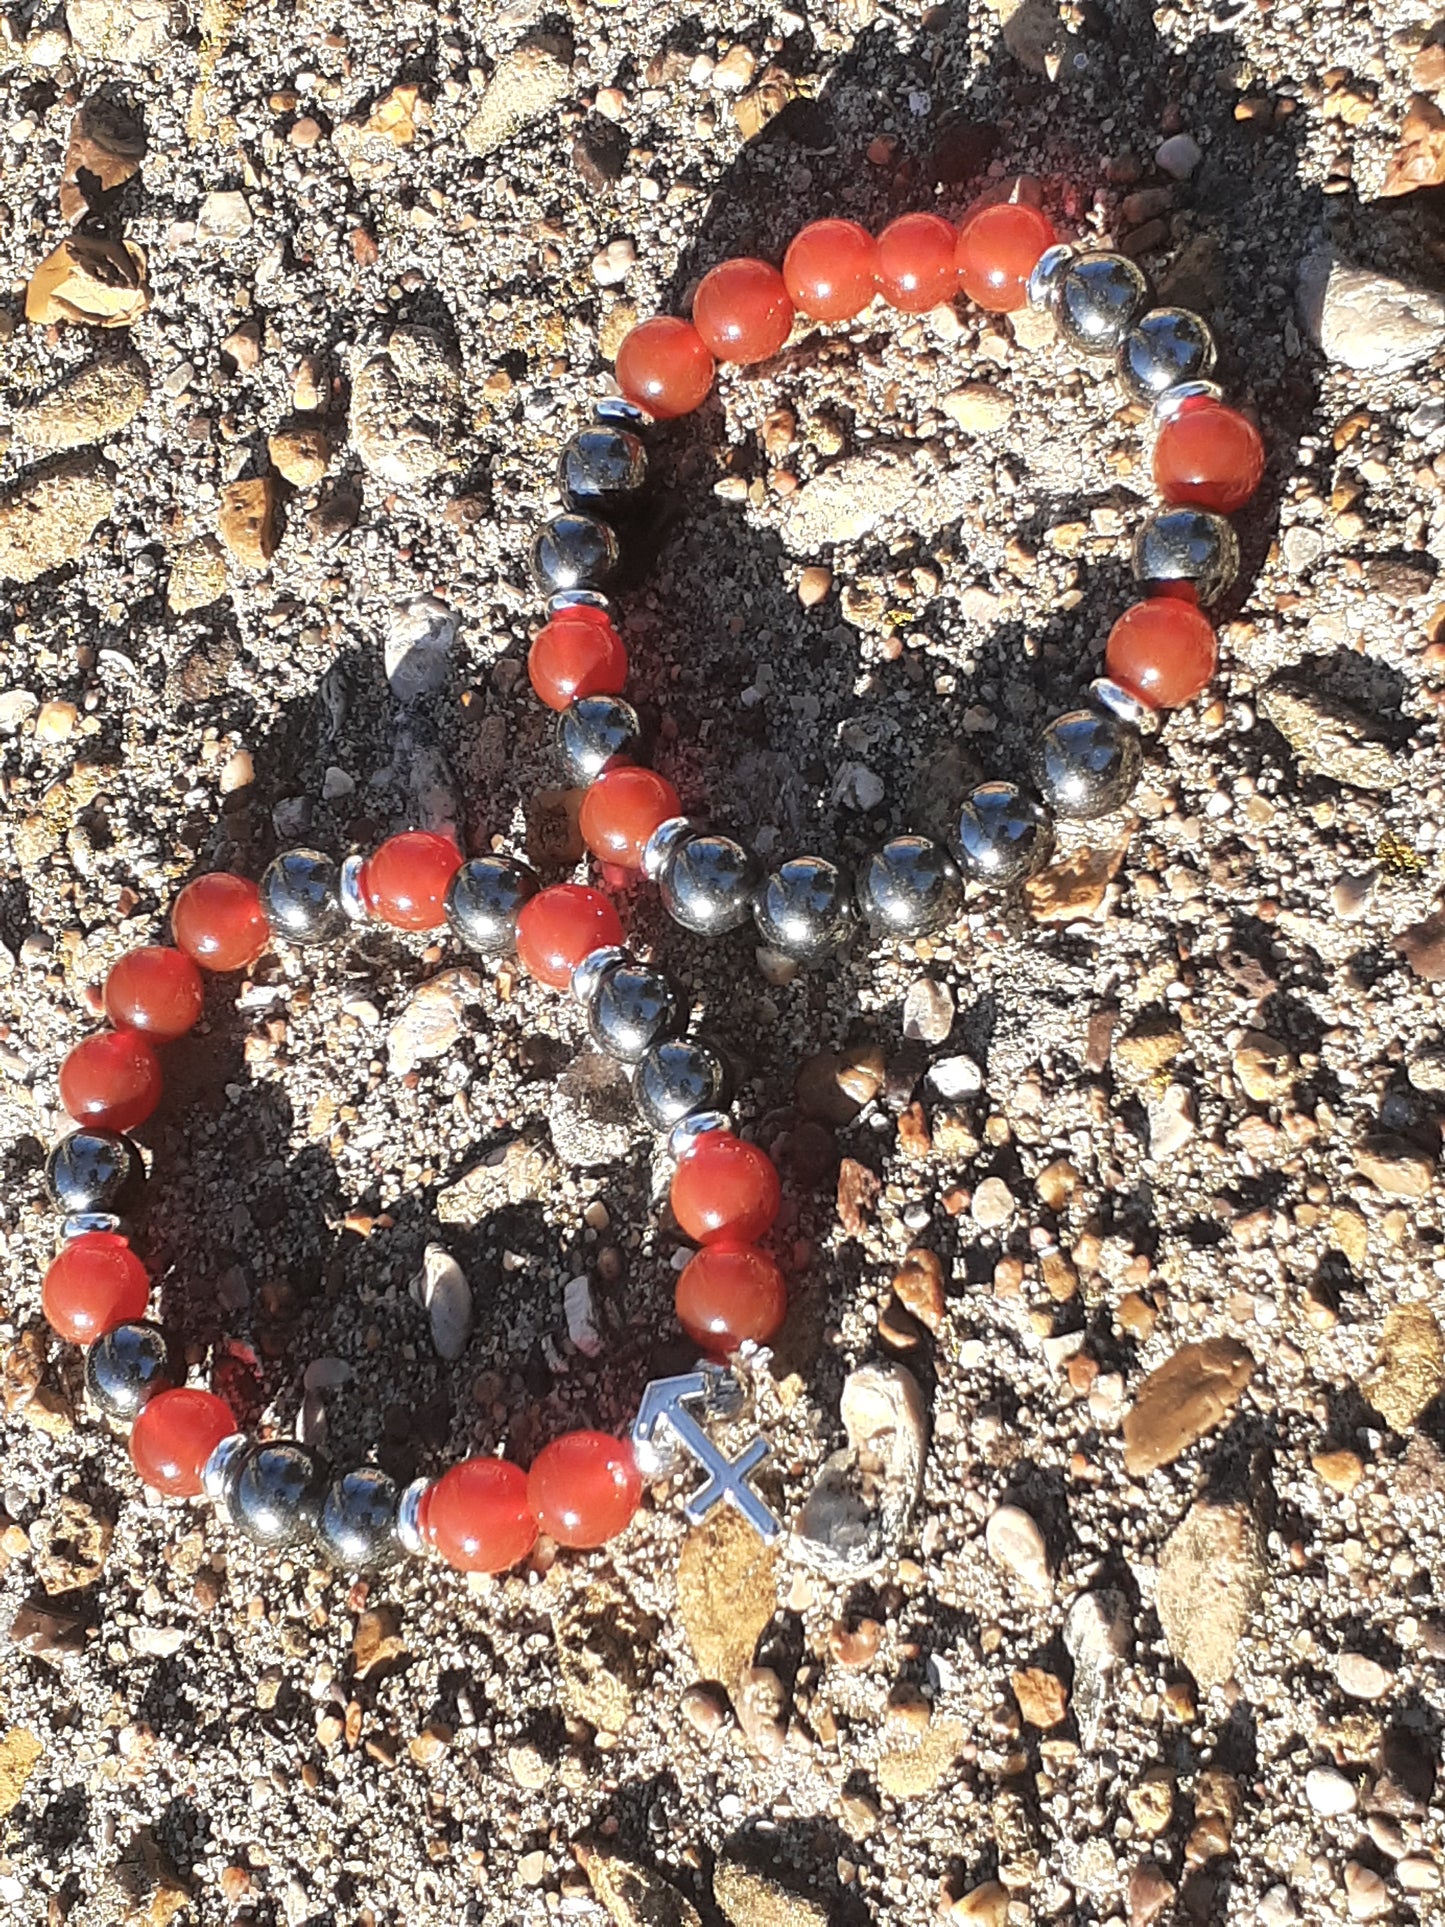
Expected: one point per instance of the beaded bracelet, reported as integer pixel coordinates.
(484, 1513)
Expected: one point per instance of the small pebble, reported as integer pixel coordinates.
(993, 1204)
(928, 1011)
(1178, 156)
(1362, 1678)
(612, 265)
(1329, 1793)
(1015, 1543)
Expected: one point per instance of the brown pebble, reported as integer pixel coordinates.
(855, 1646)
(918, 1283)
(705, 1708)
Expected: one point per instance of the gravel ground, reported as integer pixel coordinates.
(1210, 1079)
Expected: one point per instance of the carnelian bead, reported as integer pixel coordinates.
(477, 1516)
(173, 1436)
(1208, 456)
(728, 1293)
(830, 270)
(917, 269)
(219, 923)
(998, 249)
(584, 1488)
(742, 311)
(559, 926)
(1162, 651)
(112, 1080)
(724, 1187)
(664, 367)
(154, 989)
(576, 655)
(95, 1284)
(621, 809)
(405, 881)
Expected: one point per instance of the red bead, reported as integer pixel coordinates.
(620, 811)
(1208, 456)
(664, 367)
(730, 1292)
(219, 923)
(559, 926)
(405, 881)
(112, 1080)
(1162, 651)
(477, 1516)
(830, 270)
(174, 1435)
(577, 655)
(998, 249)
(584, 1488)
(95, 1284)
(742, 311)
(154, 989)
(916, 266)
(724, 1187)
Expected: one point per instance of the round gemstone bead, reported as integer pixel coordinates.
(219, 923)
(301, 896)
(998, 249)
(477, 1516)
(663, 366)
(1163, 651)
(1186, 552)
(603, 471)
(1087, 762)
(275, 1492)
(112, 1080)
(405, 881)
(676, 1078)
(578, 653)
(724, 1187)
(742, 311)
(91, 1171)
(560, 926)
(1164, 347)
(633, 1008)
(830, 270)
(730, 1293)
(485, 898)
(584, 1488)
(917, 264)
(128, 1367)
(356, 1527)
(155, 989)
(909, 887)
(707, 882)
(595, 732)
(621, 810)
(175, 1435)
(804, 909)
(1208, 456)
(574, 552)
(1001, 835)
(1096, 299)
(94, 1284)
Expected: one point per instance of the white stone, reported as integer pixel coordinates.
(581, 1316)
(1098, 1637)
(441, 1289)
(928, 1011)
(1328, 1792)
(418, 650)
(1015, 1543)
(1277, 1908)
(133, 31)
(993, 1204)
(1366, 320)
(857, 787)
(860, 1506)
(1366, 1895)
(957, 1076)
(1362, 1678)
(1418, 1874)
(847, 501)
(1171, 1122)
(224, 216)
(1178, 156)
(612, 265)
(432, 1020)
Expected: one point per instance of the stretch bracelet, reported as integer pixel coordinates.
(484, 1514)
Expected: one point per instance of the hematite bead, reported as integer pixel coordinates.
(909, 887)
(676, 1078)
(1087, 763)
(274, 1493)
(707, 883)
(1046, 271)
(574, 552)
(1096, 299)
(603, 471)
(301, 896)
(483, 900)
(595, 732)
(1186, 545)
(356, 1527)
(126, 1367)
(1164, 347)
(1002, 834)
(632, 1008)
(91, 1170)
(804, 909)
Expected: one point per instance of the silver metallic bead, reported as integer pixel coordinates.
(1105, 693)
(579, 599)
(603, 471)
(657, 850)
(574, 552)
(804, 909)
(1087, 762)
(596, 731)
(1168, 405)
(301, 896)
(686, 1132)
(676, 1078)
(1001, 835)
(617, 408)
(633, 1008)
(588, 974)
(356, 1528)
(353, 903)
(219, 1470)
(1164, 347)
(706, 883)
(909, 887)
(127, 1367)
(484, 899)
(408, 1516)
(80, 1222)
(1046, 271)
(275, 1492)
(92, 1170)
(1186, 545)
(1096, 300)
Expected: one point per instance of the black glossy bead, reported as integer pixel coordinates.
(275, 1492)
(707, 884)
(632, 1008)
(1001, 834)
(574, 552)
(1087, 762)
(1186, 545)
(804, 909)
(301, 896)
(595, 732)
(603, 471)
(909, 887)
(484, 898)
(1095, 300)
(127, 1367)
(1164, 347)
(356, 1528)
(677, 1078)
(92, 1171)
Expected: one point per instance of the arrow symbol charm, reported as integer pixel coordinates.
(667, 1429)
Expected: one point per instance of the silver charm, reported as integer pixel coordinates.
(667, 1429)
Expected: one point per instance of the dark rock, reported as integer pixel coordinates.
(1399, 578)
(963, 148)
(47, 1630)
(599, 152)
